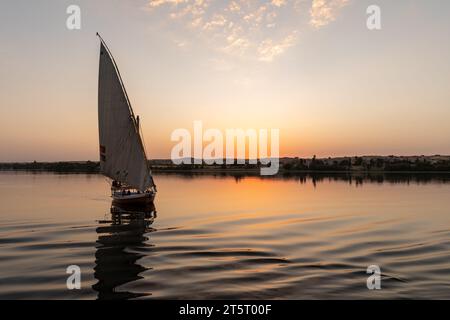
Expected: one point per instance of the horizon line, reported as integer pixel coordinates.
(283, 157)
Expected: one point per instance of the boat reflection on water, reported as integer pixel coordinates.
(116, 258)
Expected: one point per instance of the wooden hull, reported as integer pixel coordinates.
(134, 199)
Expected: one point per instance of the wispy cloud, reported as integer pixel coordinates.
(251, 29)
(158, 3)
(325, 11)
(278, 3)
(270, 49)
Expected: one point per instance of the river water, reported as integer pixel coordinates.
(296, 237)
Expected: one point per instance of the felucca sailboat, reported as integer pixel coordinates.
(122, 152)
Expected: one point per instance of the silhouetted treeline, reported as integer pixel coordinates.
(63, 167)
(286, 165)
(366, 164)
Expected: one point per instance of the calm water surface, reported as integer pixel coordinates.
(223, 237)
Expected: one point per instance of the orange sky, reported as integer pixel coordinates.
(329, 84)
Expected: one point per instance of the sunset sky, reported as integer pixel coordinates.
(308, 67)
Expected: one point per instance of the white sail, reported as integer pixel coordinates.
(122, 155)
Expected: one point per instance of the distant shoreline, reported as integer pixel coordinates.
(364, 164)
